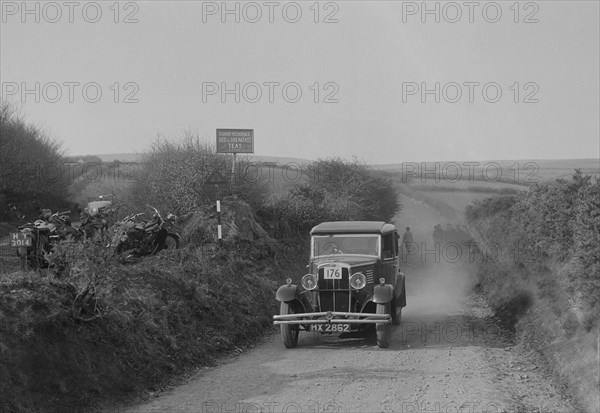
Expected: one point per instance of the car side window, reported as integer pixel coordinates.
(387, 250)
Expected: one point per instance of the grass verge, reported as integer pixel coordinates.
(536, 306)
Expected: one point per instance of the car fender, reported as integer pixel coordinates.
(287, 292)
(402, 302)
(290, 293)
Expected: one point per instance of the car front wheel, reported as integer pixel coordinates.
(383, 329)
(289, 332)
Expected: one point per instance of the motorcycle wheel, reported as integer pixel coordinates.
(171, 242)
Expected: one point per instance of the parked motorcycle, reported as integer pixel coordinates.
(140, 237)
(43, 234)
(95, 221)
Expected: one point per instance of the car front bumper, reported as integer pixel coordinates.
(332, 317)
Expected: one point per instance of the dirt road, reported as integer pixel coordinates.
(448, 355)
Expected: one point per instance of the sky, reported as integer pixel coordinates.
(382, 81)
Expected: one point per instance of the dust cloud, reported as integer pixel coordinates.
(438, 275)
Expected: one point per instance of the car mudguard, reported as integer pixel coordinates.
(289, 292)
(402, 302)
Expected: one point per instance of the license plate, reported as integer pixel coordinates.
(18, 239)
(333, 273)
(330, 328)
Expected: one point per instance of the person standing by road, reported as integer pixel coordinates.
(438, 234)
(407, 240)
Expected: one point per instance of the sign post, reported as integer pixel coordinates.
(232, 141)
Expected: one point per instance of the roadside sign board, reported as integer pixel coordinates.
(18, 239)
(215, 178)
(235, 140)
(215, 185)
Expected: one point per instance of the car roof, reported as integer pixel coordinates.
(353, 227)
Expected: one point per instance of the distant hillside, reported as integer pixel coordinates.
(123, 157)
(281, 160)
(135, 157)
(547, 169)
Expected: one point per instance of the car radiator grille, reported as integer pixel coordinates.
(334, 295)
(334, 301)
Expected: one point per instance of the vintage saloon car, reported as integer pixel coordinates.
(353, 282)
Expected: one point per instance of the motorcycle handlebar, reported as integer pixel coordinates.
(133, 216)
(154, 209)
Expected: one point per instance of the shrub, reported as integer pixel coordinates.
(335, 190)
(173, 175)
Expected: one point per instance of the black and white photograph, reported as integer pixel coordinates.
(304, 206)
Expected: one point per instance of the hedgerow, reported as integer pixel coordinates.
(553, 226)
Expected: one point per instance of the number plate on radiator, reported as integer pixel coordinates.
(333, 273)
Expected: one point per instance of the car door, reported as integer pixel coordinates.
(389, 258)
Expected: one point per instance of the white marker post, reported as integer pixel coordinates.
(214, 183)
(219, 231)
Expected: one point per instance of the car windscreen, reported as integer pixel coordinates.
(358, 244)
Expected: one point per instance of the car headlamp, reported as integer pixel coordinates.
(309, 282)
(358, 281)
